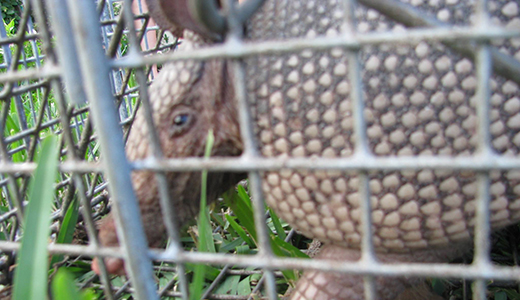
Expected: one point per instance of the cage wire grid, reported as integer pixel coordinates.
(37, 73)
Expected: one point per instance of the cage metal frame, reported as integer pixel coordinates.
(93, 61)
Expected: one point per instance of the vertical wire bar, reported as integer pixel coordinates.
(361, 152)
(67, 51)
(255, 180)
(95, 70)
(361, 140)
(77, 130)
(92, 234)
(78, 182)
(169, 215)
(115, 75)
(255, 184)
(9, 65)
(244, 114)
(250, 148)
(7, 61)
(361, 149)
(39, 14)
(152, 133)
(367, 254)
(13, 196)
(482, 225)
(8, 87)
(143, 27)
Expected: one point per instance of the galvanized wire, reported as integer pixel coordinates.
(68, 123)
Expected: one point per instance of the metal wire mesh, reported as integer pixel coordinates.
(30, 69)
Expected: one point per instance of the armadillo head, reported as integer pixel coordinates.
(175, 16)
(188, 100)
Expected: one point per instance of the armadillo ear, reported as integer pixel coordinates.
(174, 15)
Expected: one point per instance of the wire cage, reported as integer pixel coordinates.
(53, 81)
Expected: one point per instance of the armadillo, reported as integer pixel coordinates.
(419, 102)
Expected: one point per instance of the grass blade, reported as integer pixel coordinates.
(229, 286)
(240, 204)
(283, 248)
(67, 228)
(241, 232)
(277, 225)
(205, 233)
(30, 278)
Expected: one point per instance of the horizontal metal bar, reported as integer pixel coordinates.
(25, 133)
(47, 71)
(473, 163)
(248, 49)
(41, 58)
(504, 65)
(234, 50)
(440, 270)
(369, 163)
(27, 88)
(17, 39)
(69, 249)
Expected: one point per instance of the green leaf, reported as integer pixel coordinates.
(241, 232)
(197, 285)
(165, 278)
(10, 27)
(277, 224)
(210, 274)
(244, 287)
(218, 219)
(89, 295)
(67, 228)
(226, 247)
(512, 294)
(282, 248)
(64, 287)
(243, 249)
(279, 249)
(438, 286)
(241, 206)
(229, 286)
(30, 278)
(501, 295)
(244, 196)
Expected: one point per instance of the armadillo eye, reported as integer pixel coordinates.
(181, 123)
(181, 119)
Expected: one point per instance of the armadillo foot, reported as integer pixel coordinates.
(114, 266)
(327, 285)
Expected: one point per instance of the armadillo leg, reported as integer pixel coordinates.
(328, 286)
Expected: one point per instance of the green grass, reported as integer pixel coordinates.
(30, 280)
